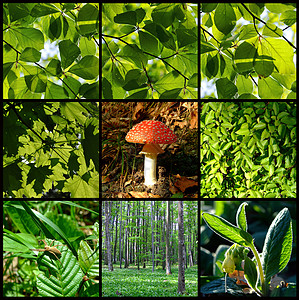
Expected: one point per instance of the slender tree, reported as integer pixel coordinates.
(168, 267)
(121, 221)
(181, 276)
(153, 247)
(108, 246)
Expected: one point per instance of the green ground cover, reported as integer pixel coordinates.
(145, 283)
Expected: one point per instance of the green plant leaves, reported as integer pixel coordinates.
(241, 217)
(88, 18)
(30, 54)
(37, 79)
(278, 245)
(225, 88)
(250, 272)
(29, 29)
(69, 51)
(29, 37)
(244, 57)
(225, 18)
(269, 88)
(149, 43)
(227, 230)
(157, 46)
(128, 17)
(87, 67)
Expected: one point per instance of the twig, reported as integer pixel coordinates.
(254, 17)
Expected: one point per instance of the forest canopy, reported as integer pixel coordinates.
(51, 146)
(149, 51)
(50, 51)
(248, 50)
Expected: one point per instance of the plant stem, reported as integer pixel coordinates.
(262, 277)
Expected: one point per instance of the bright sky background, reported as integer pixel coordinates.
(208, 87)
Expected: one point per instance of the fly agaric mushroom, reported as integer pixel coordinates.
(151, 133)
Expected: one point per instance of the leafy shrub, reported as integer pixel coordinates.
(149, 51)
(71, 75)
(248, 150)
(252, 59)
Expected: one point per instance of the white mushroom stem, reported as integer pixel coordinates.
(151, 152)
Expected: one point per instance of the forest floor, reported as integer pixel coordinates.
(132, 282)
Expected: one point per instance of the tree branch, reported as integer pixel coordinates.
(254, 17)
(18, 52)
(163, 59)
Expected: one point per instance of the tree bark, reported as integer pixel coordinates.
(168, 267)
(181, 276)
(108, 246)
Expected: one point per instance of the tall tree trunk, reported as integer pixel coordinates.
(168, 267)
(108, 246)
(153, 247)
(181, 277)
(120, 246)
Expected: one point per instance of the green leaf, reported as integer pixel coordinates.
(29, 37)
(69, 51)
(278, 245)
(206, 47)
(244, 131)
(140, 12)
(37, 79)
(171, 94)
(139, 95)
(116, 76)
(164, 14)
(250, 272)
(225, 88)
(171, 81)
(227, 230)
(289, 120)
(244, 57)
(30, 54)
(90, 143)
(225, 18)
(241, 217)
(259, 125)
(288, 17)
(55, 91)
(86, 68)
(88, 19)
(148, 43)
(165, 37)
(55, 27)
(17, 11)
(212, 65)
(185, 37)
(54, 67)
(264, 65)
(269, 88)
(129, 17)
(43, 9)
(133, 54)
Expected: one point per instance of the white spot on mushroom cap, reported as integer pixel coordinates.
(151, 132)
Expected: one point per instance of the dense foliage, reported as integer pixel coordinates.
(246, 53)
(51, 145)
(248, 150)
(149, 51)
(32, 72)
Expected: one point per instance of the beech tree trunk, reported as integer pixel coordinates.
(168, 267)
(181, 276)
(108, 246)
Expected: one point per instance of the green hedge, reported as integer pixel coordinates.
(248, 150)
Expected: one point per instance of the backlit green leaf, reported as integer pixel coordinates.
(69, 51)
(30, 54)
(225, 18)
(278, 245)
(86, 68)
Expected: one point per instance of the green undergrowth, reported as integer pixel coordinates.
(145, 283)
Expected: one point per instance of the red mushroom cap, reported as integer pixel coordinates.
(151, 132)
